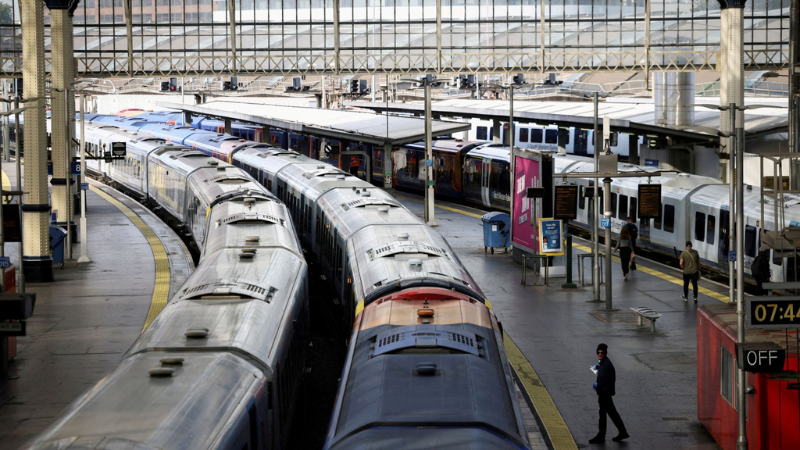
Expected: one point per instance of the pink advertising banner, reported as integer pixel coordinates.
(528, 174)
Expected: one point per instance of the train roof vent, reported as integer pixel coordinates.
(227, 179)
(397, 247)
(403, 236)
(369, 202)
(228, 289)
(425, 338)
(321, 173)
(243, 217)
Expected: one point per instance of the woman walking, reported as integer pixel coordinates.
(625, 247)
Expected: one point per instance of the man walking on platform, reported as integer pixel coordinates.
(606, 389)
(633, 231)
(690, 263)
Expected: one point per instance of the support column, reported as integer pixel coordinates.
(496, 127)
(61, 125)
(38, 264)
(732, 95)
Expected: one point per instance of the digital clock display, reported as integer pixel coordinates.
(774, 313)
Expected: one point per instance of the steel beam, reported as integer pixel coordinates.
(38, 264)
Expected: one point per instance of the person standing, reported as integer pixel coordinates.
(625, 247)
(354, 163)
(605, 387)
(760, 270)
(690, 263)
(632, 230)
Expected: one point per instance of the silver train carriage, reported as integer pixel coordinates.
(451, 371)
(220, 366)
(694, 208)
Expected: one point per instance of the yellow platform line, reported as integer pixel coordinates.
(446, 208)
(672, 279)
(161, 290)
(555, 427)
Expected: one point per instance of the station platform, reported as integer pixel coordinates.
(557, 330)
(88, 318)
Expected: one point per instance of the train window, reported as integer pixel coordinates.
(551, 136)
(726, 375)
(711, 224)
(481, 133)
(566, 137)
(613, 139)
(614, 205)
(632, 213)
(536, 135)
(523, 135)
(623, 207)
(669, 218)
(700, 226)
(581, 197)
(750, 247)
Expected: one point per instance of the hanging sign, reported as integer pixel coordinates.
(649, 201)
(566, 205)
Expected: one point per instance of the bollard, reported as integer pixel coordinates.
(569, 284)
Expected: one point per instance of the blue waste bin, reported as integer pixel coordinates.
(58, 239)
(496, 227)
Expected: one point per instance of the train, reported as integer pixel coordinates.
(221, 365)
(396, 281)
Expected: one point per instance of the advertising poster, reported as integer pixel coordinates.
(552, 239)
(527, 175)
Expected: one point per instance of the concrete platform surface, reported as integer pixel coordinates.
(558, 330)
(85, 320)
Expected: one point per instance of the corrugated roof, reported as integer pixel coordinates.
(625, 113)
(356, 126)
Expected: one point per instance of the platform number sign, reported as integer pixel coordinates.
(605, 223)
(732, 256)
(118, 149)
(5, 261)
(75, 168)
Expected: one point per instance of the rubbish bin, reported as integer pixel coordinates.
(58, 239)
(496, 227)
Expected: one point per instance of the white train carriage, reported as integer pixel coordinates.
(168, 171)
(579, 141)
(694, 208)
(220, 366)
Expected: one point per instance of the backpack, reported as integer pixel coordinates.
(755, 267)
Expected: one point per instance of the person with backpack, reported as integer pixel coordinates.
(690, 263)
(760, 270)
(625, 247)
(633, 231)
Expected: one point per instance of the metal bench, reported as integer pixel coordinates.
(643, 312)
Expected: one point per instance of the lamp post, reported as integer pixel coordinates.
(736, 141)
(426, 81)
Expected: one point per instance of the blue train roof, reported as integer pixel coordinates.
(162, 117)
(168, 132)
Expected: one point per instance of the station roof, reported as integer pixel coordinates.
(635, 115)
(354, 126)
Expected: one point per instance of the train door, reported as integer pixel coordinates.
(580, 141)
(722, 255)
(486, 170)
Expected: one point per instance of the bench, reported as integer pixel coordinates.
(643, 312)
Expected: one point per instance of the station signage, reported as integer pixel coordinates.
(760, 357)
(649, 201)
(566, 205)
(773, 312)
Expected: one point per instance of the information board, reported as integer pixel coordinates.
(551, 238)
(12, 225)
(566, 205)
(649, 201)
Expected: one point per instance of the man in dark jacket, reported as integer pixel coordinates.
(605, 388)
(633, 231)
